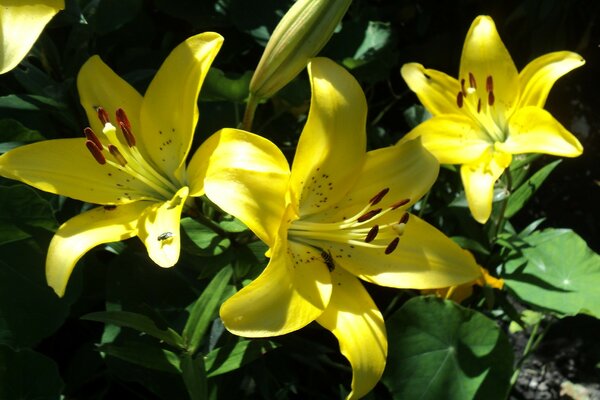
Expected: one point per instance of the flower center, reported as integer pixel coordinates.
(371, 227)
(123, 154)
(478, 103)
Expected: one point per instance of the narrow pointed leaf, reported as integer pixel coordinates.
(231, 357)
(205, 309)
(520, 196)
(194, 376)
(138, 322)
(151, 357)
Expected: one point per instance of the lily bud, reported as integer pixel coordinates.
(301, 34)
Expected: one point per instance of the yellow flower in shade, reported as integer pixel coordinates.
(132, 160)
(21, 22)
(339, 215)
(490, 112)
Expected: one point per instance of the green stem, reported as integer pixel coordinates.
(249, 113)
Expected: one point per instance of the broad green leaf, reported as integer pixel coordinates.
(15, 134)
(556, 271)
(25, 374)
(22, 208)
(147, 356)
(207, 241)
(520, 168)
(231, 224)
(517, 200)
(194, 376)
(138, 322)
(440, 350)
(204, 310)
(231, 357)
(29, 309)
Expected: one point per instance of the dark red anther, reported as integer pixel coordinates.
(379, 196)
(400, 203)
(96, 152)
(90, 135)
(368, 215)
(489, 84)
(478, 106)
(128, 135)
(102, 115)
(122, 118)
(462, 87)
(392, 246)
(459, 99)
(472, 82)
(404, 218)
(110, 207)
(491, 98)
(372, 234)
(117, 154)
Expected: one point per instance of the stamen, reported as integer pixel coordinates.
(122, 117)
(491, 98)
(478, 106)
(459, 99)
(489, 84)
(462, 87)
(372, 234)
(404, 218)
(399, 204)
(472, 82)
(117, 154)
(102, 115)
(96, 152)
(128, 135)
(392, 246)
(368, 215)
(90, 135)
(379, 196)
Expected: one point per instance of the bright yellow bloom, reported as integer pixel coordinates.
(339, 214)
(490, 112)
(21, 22)
(132, 160)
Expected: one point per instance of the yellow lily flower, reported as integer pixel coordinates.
(339, 214)
(21, 23)
(465, 290)
(133, 165)
(490, 112)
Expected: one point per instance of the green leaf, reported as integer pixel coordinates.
(470, 244)
(138, 322)
(207, 241)
(113, 14)
(517, 200)
(556, 271)
(22, 208)
(152, 357)
(204, 310)
(231, 357)
(440, 350)
(25, 374)
(194, 376)
(15, 134)
(218, 86)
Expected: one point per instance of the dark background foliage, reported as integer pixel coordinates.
(39, 100)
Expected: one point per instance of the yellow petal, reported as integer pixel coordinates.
(291, 292)
(408, 170)
(169, 111)
(425, 258)
(246, 176)
(81, 233)
(479, 179)
(331, 149)
(358, 325)
(453, 139)
(538, 77)
(21, 24)
(534, 130)
(66, 167)
(159, 229)
(485, 55)
(100, 86)
(436, 90)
